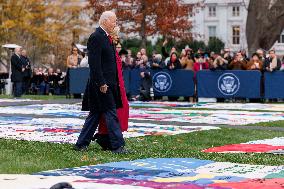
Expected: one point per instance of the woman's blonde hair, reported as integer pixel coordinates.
(115, 34)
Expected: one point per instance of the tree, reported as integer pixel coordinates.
(168, 18)
(265, 22)
(215, 44)
(41, 26)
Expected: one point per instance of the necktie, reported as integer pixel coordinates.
(110, 39)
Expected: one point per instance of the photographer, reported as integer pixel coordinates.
(219, 63)
(238, 62)
(227, 55)
(138, 60)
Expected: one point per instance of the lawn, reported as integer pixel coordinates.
(36, 97)
(30, 157)
(269, 124)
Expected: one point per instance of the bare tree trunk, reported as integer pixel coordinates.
(265, 23)
(143, 24)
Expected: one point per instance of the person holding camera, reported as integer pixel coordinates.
(238, 62)
(219, 63)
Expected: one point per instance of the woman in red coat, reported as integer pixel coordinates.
(122, 113)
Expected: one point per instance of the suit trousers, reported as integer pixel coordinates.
(17, 89)
(91, 124)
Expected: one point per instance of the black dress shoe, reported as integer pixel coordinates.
(121, 150)
(95, 137)
(80, 148)
(103, 141)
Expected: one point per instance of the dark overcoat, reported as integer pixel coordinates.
(103, 70)
(16, 67)
(27, 65)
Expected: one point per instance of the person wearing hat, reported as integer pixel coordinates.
(255, 63)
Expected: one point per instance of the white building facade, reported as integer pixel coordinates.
(225, 19)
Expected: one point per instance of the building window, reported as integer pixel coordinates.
(212, 11)
(281, 40)
(211, 31)
(236, 35)
(236, 11)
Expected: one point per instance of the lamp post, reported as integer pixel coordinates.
(11, 47)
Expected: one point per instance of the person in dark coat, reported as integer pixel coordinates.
(157, 62)
(28, 71)
(145, 87)
(219, 63)
(272, 63)
(18, 69)
(103, 90)
(174, 62)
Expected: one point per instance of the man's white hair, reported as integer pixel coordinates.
(17, 50)
(105, 16)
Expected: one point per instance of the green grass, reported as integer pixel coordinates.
(29, 157)
(37, 97)
(269, 124)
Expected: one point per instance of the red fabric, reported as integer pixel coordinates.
(122, 113)
(196, 67)
(110, 39)
(244, 148)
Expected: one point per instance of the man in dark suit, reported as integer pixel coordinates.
(17, 72)
(102, 89)
(28, 71)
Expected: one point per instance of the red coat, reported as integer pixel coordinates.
(123, 112)
(197, 66)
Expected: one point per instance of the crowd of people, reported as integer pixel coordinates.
(45, 81)
(28, 80)
(195, 61)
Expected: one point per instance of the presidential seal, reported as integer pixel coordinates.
(228, 84)
(162, 82)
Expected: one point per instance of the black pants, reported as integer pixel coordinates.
(17, 89)
(91, 124)
(26, 85)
